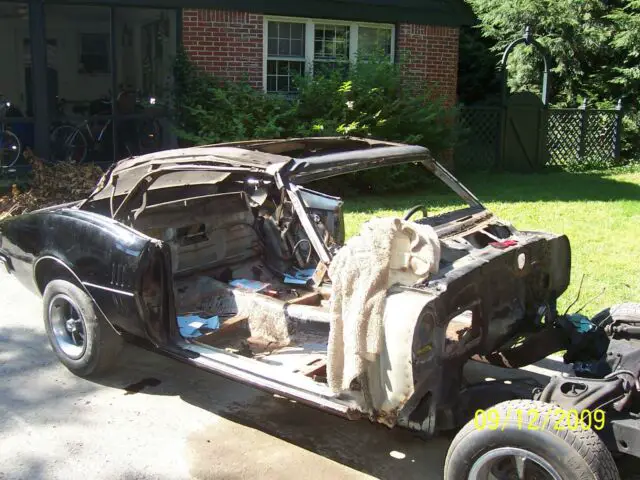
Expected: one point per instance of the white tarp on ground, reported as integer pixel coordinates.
(387, 251)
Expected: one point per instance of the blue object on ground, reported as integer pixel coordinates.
(293, 280)
(582, 323)
(190, 325)
(300, 277)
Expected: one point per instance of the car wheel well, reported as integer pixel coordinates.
(49, 269)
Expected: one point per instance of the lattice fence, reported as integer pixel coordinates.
(478, 138)
(573, 136)
(584, 136)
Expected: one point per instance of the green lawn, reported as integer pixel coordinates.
(600, 213)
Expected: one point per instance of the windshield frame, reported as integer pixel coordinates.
(293, 191)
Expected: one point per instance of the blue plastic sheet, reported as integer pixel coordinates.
(191, 325)
(300, 277)
(582, 323)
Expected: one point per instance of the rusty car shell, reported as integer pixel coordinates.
(493, 299)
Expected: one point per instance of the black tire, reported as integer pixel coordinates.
(10, 148)
(85, 343)
(68, 143)
(572, 454)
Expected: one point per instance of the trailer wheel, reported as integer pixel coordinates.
(527, 439)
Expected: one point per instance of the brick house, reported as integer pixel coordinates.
(267, 48)
(106, 52)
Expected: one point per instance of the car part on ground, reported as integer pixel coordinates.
(616, 390)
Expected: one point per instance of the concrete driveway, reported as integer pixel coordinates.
(181, 423)
(157, 418)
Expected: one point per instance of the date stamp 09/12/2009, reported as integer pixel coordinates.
(534, 419)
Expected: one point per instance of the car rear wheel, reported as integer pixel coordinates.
(81, 339)
(528, 440)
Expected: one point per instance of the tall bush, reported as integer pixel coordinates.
(373, 101)
(369, 100)
(213, 110)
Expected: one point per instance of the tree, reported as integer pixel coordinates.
(577, 34)
(626, 41)
(478, 79)
(594, 46)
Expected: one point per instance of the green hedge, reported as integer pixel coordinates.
(370, 100)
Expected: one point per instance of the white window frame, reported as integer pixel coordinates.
(309, 43)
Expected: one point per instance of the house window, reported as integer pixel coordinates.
(305, 46)
(285, 55)
(331, 48)
(94, 53)
(374, 41)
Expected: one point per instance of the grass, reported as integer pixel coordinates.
(599, 212)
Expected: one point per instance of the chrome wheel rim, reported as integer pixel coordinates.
(510, 463)
(68, 326)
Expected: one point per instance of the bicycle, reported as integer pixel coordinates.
(10, 145)
(71, 142)
(68, 142)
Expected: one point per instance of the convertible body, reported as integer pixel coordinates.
(217, 232)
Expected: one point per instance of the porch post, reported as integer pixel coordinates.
(39, 77)
(114, 82)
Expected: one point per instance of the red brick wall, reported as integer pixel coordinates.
(430, 58)
(227, 44)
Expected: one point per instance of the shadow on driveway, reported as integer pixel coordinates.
(360, 445)
(365, 447)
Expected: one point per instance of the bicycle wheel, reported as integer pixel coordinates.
(10, 149)
(68, 144)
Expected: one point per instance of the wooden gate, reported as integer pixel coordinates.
(524, 148)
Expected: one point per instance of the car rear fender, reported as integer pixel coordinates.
(48, 268)
(112, 263)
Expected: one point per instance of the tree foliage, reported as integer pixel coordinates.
(594, 46)
(478, 78)
(626, 40)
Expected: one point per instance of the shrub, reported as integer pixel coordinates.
(373, 101)
(369, 100)
(212, 110)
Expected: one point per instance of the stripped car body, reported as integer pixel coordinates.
(163, 234)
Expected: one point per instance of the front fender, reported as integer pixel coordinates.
(390, 379)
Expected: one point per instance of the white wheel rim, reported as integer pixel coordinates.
(68, 326)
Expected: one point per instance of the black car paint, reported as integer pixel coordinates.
(517, 297)
(104, 257)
